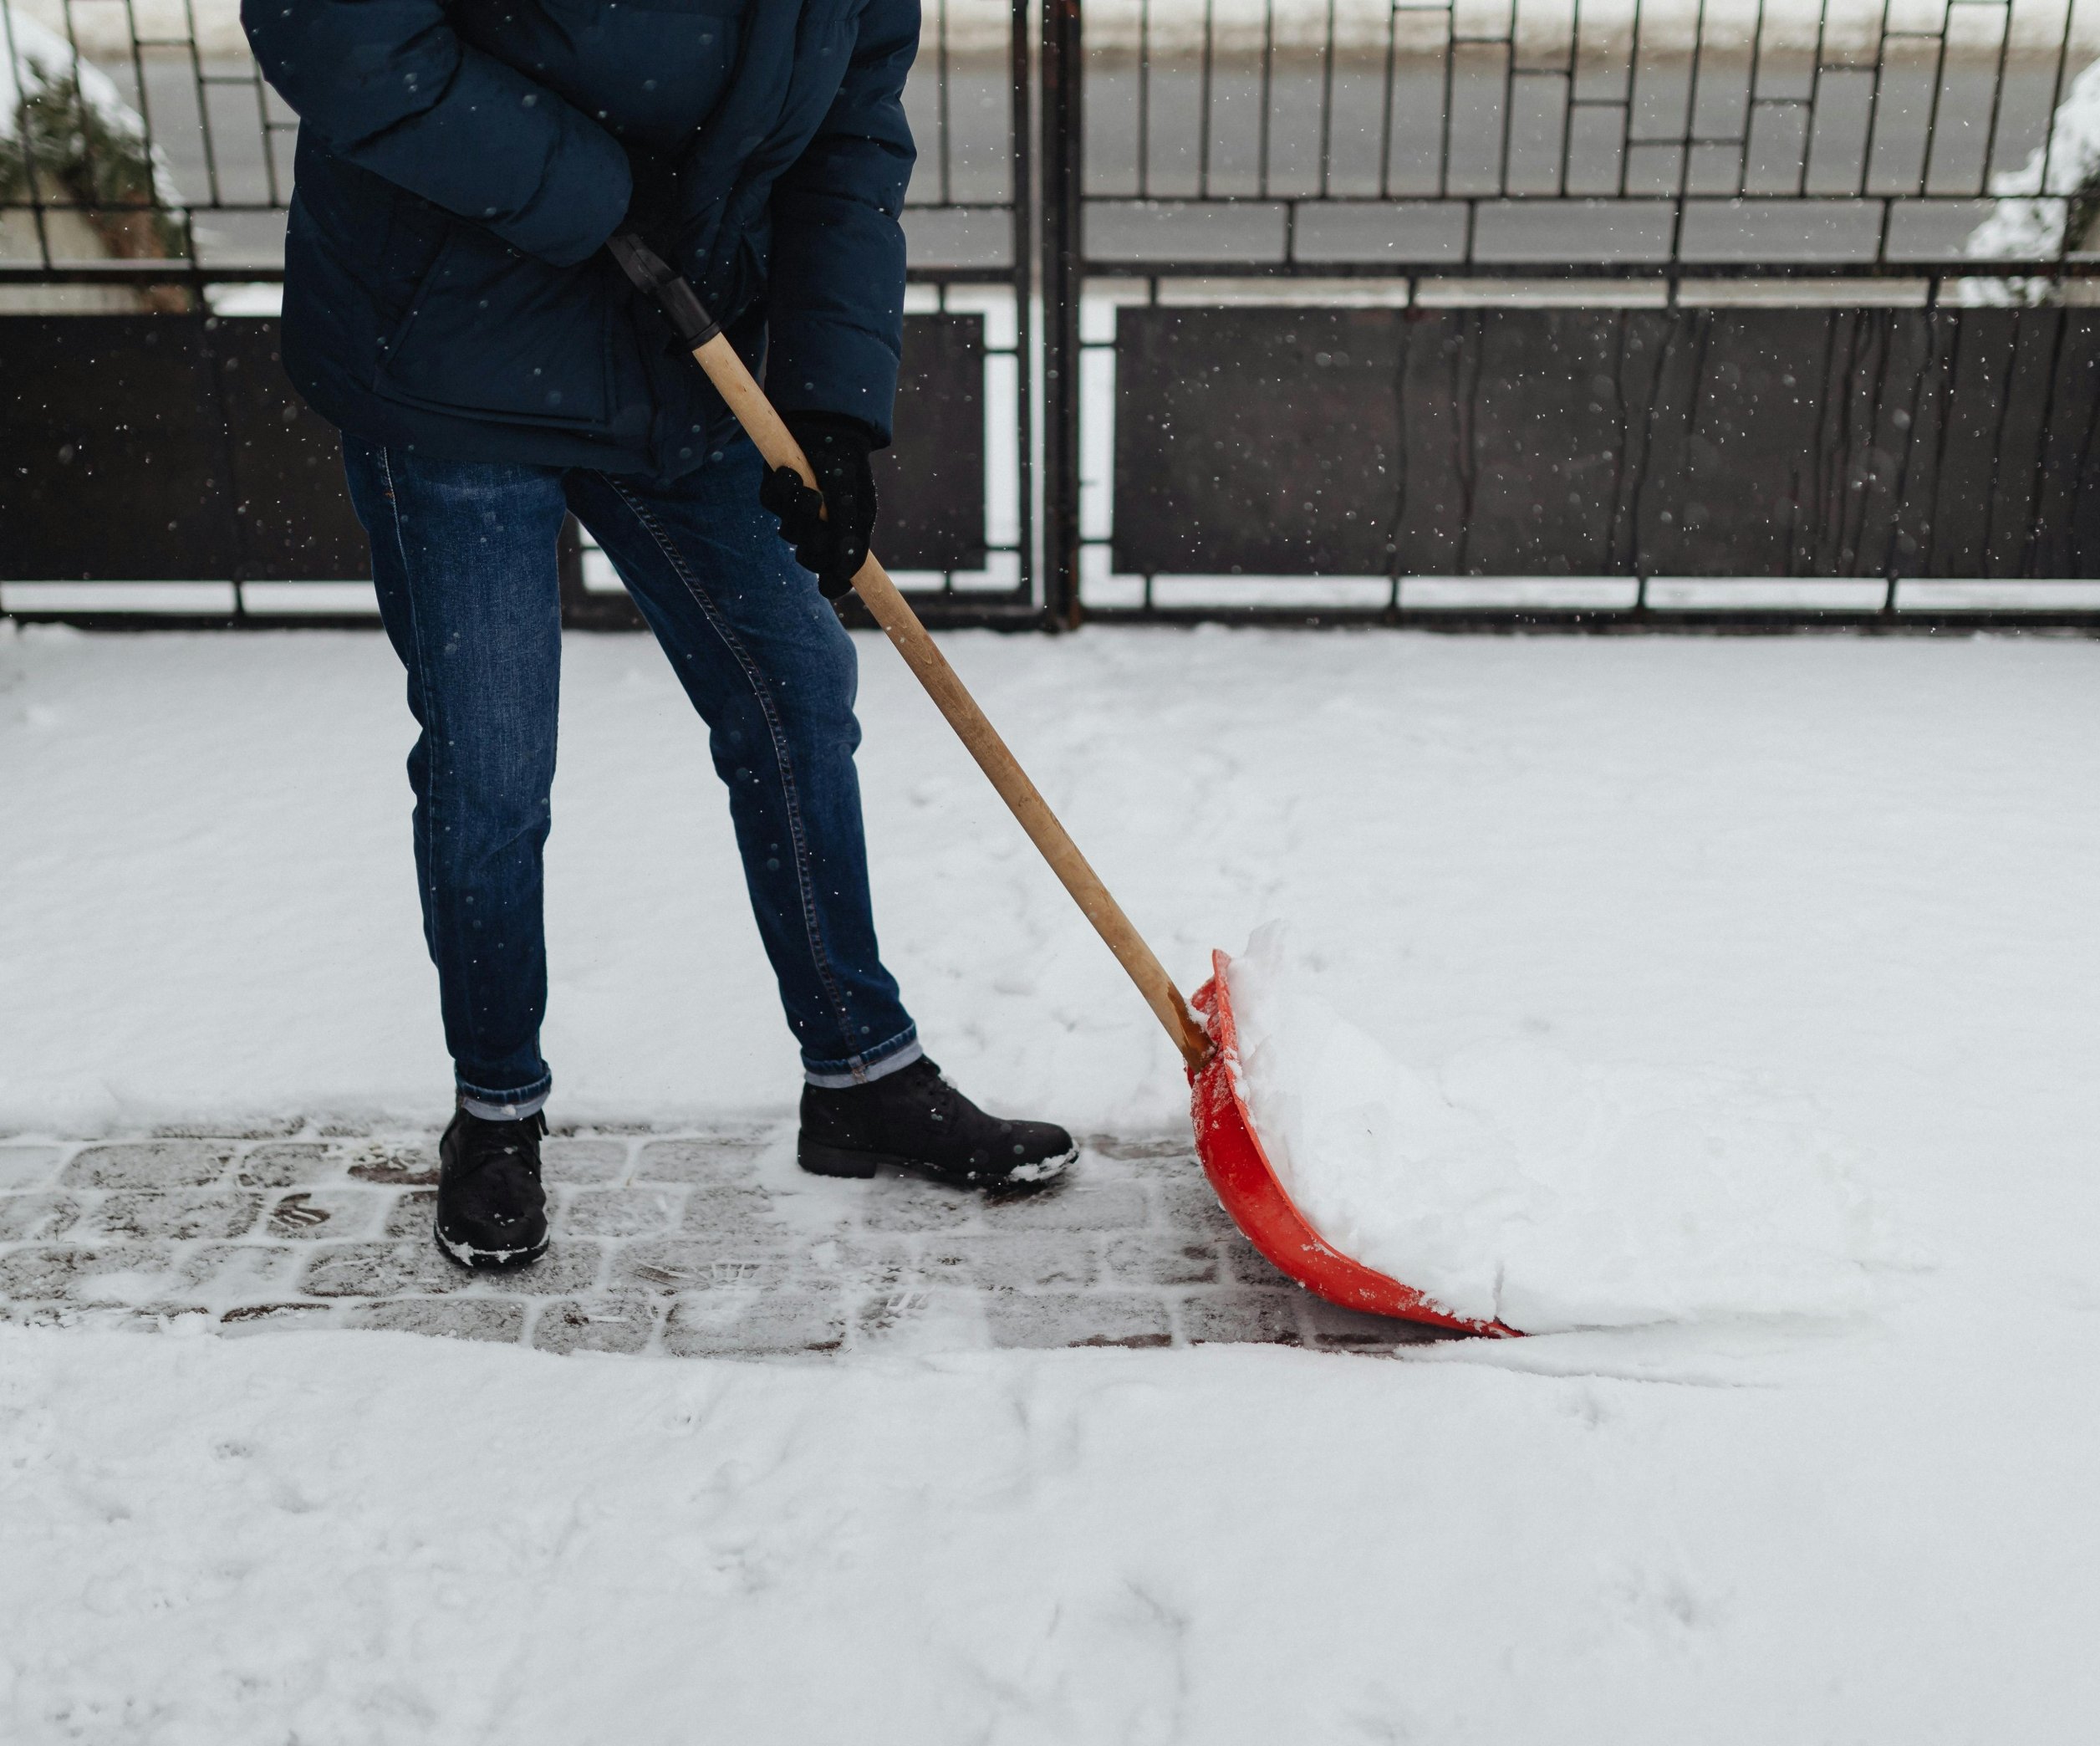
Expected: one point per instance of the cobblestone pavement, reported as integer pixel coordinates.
(703, 1242)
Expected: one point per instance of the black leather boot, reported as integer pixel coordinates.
(915, 1119)
(491, 1211)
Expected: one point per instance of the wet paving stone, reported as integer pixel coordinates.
(581, 1160)
(1246, 1265)
(1185, 1201)
(83, 1273)
(1079, 1319)
(1331, 1326)
(645, 1212)
(37, 1217)
(747, 1213)
(570, 1264)
(230, 1272)
(286, 1164)
(396, 1167)
(382, 1269)
(1162, 1258)
(755, 1323)
(994, 1260)
(671, 1264)
(608, 1323)
(727, 1157)
(156, 1164)
(502, 1319)
(308, 1215)
(1240, 1318)
(176, 1215)
(411, 1214)
(703, 1243)
(905, 1205)
(1110, 1206)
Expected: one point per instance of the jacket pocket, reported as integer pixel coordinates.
(494, 333)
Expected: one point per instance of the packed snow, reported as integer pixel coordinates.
(351, 1539)
(1515, 1183)
(1847, 879)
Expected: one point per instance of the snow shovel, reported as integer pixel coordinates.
(1226, 1137)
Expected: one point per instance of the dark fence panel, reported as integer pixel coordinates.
(930, 481)
(1266, 441)
(166, 448)
(112, 451)
(296, 523)
(1521, 455)
(1790, 442)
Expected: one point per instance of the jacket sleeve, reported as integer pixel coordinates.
(390, 87)
(836, 288)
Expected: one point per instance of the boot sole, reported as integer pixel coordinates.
(483, 1260)
(819, 1159)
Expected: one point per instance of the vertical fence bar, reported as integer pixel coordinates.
(1063, 117)
(1021, 156)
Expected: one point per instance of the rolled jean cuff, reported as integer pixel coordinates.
(885, 1058)
(488, 1105)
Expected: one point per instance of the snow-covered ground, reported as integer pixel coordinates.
(1856, 873)
(1882, 1534)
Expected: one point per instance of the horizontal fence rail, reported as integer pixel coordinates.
(1573, 312)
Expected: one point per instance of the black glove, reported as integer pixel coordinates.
(828, 527)
(653, 223)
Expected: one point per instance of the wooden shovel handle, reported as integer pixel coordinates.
(893, 613)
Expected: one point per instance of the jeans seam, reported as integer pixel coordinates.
(428, 692)
(812, 929)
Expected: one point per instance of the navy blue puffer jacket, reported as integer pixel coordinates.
(461, 162)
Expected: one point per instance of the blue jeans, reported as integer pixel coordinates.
(463, 555)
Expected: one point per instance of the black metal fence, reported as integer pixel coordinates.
(145, 167)
(1609, 311)
(1602, 311)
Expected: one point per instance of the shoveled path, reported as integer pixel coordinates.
(686, 1243)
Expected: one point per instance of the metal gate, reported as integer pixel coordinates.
(1609, 312)
(1613, 311)
(155, 466)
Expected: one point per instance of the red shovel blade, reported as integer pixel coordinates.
(1247, 1188)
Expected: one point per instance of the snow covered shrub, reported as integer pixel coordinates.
(68, 141)
(2055, 195)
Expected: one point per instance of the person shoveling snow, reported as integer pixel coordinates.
(447, 305)
(491, 373)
